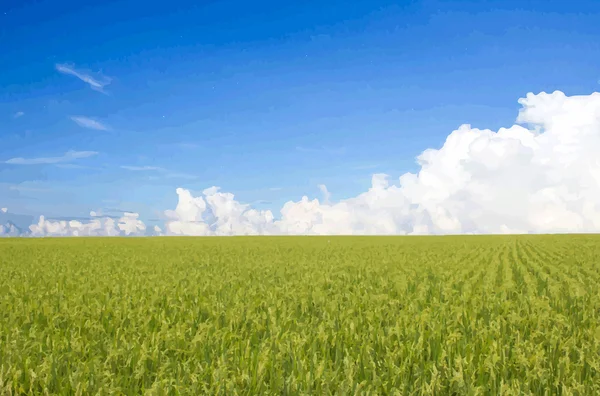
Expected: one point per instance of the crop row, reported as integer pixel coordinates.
(361, 315)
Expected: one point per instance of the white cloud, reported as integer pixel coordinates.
(544, 178)
(96, 83)
(215, 214)
(128, 225)
(3, 210)
(89, 123)
(67, 157)
(18, 114)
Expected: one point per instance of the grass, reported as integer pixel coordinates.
(301, 315)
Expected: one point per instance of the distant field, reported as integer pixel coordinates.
(301, 315)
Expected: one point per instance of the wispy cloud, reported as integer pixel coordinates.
(18, 114)
(89, 123)
(96, 83)
(142, 168)
(66, 157)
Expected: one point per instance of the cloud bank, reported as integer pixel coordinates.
(541, 175)
(128, 225)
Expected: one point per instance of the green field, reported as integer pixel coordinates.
(301, 315)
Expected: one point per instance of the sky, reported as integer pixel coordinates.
(127, 111)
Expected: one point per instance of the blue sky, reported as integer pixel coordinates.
(264, 99)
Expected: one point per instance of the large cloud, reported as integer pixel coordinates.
(543, 177)
(539, 176)
(216, 214)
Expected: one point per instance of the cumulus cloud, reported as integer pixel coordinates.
(3, 210)
(128, 225)
(96, 83)
(543, 177)
(18, 114)
(89, 123)
(66, 157)
(215, 214)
